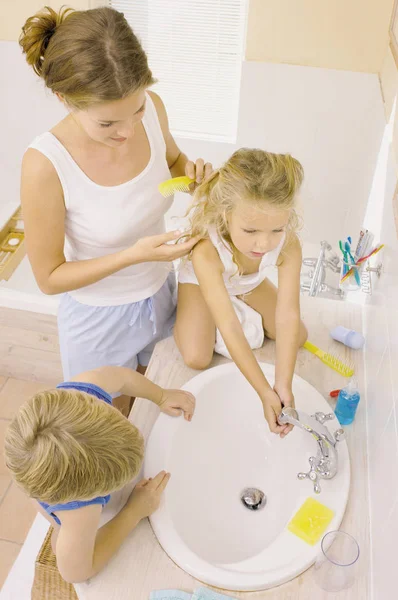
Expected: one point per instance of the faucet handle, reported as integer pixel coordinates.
(309, 262)
(339, 435)
(312, 475)
(321, 417)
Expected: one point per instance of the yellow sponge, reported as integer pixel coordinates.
(310, 521)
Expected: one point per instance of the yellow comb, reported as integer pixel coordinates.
(177, 184)
(310, 521)
(330, 360)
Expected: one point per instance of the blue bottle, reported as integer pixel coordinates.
(347, 403)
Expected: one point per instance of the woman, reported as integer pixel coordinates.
(94, 219)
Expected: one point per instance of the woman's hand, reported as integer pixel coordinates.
(156, 248)
(272, 407)
(175, 402)
(145, 497)
(198, 171)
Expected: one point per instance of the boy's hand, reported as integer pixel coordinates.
(145, 497)
(272, 408)
(174, 402)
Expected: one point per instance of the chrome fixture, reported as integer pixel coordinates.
(366, 278)
(253, 498)
(325, 464)
(314, 284)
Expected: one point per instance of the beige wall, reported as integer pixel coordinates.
(337, 34)
(13, 13)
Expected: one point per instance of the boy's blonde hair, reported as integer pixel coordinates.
(265, 179)
(66, 445)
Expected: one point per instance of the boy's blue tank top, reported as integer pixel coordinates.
(94, 390)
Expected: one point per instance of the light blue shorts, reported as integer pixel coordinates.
(125, 336)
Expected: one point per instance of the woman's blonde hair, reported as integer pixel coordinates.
(265, 179)
(66, 445)
(87, 56)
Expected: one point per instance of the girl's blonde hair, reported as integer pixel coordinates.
(87, 56)
(66, 445)
(265, 179)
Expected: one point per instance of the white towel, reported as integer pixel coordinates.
(169, 595)
(201, 593)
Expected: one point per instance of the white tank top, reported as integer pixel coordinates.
(102, 220)
(236, 284)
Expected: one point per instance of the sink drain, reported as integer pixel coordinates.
(253, 498)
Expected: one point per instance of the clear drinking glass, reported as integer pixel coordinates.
(353, 282)
(335, 566)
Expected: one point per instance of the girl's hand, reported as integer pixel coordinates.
(272, 408)
(198, 171)
(155, 248)
(145, 497)
(286, 397)
(175, 402)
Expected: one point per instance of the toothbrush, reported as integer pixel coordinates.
(330, 360)
(361, 260)
(176, 184)
(374, 251)
(348, 250)
(345, 258)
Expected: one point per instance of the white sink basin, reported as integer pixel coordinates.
(201, 523)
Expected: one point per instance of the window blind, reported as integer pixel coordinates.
(195, 51)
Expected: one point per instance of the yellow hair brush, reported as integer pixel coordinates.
(177, 184)
(330, 360)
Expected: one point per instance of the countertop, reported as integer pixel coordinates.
(141, 565)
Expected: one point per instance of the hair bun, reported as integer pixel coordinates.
(37, 33)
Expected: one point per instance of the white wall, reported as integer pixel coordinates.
(27, 110)
(332, 121)
(381, 359)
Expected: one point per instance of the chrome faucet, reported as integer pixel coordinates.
(315, 282)
(325, 464)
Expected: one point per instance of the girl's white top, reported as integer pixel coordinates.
(236, 284)
(102, 220)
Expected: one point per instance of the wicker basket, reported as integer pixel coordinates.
(48, 583)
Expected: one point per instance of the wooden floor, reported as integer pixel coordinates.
(29, 362)
(29, 346)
